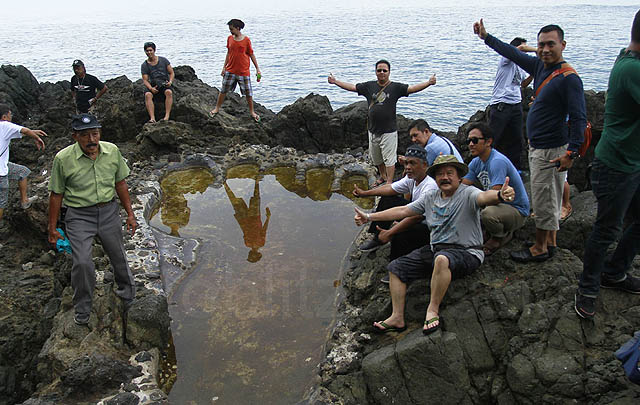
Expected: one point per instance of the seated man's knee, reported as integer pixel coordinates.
(148, 96)
(441, 262)
(168, 93)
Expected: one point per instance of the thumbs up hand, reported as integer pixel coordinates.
(506, 192)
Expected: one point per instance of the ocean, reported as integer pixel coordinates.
(297, 44)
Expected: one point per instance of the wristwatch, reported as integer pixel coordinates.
(572, 154)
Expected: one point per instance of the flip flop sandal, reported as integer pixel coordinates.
(388, 328)
(435, 328)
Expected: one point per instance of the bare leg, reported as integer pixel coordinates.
(542, 238)
(1, 213)
(168, 103)
(250, 104)
(148, 102)
(551, 238)
(566, 200)
(440, 280)
(390, 170)
(221, 97)
(398, 291)
(22, 186)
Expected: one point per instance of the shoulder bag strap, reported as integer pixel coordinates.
(565, 69)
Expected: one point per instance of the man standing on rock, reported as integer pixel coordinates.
(410, 233)
(490, 168)
(382, 96)
(84, 86)
(157, 77)
(12, 171)
(452, 213)
(505, 107)
(86, 176)
(615, 178)
(553, 140)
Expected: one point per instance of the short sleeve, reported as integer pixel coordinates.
(123, 170)
(497, 173)
(144, 69)
(472, 175)
(249, 50)
(401, 186)
(57, 181)
(361, 89)
(403, 90)
(97, 83)
(472, 194)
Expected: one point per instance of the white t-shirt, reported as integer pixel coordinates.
(406, 185)
(8, 131)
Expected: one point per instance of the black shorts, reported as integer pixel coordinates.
(161, 90)
(419, 263)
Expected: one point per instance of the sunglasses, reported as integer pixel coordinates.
(381, 70)
(474, 140)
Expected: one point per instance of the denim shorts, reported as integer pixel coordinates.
(16, 172)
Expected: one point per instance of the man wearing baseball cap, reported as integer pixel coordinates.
(86, 177)
(84, 86)
(452, 213)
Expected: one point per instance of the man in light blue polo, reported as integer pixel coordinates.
(490, 167)
(86, 177)
(435, 145)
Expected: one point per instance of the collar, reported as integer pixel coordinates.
(488, 157)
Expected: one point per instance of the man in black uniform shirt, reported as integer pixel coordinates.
(84, 86)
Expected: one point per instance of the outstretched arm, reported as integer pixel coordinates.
(385, 190)
(343, 85)
(521, 59)
(404, 211)
(421, 86)
(494, 197)
(35, 134)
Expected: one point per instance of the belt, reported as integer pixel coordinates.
(102, 204)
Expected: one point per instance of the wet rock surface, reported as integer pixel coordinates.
(511, 334)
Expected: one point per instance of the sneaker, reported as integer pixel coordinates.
(370, 245)
(585, 306)
(385, 279)
(630, 284)
(81, 319)
(30, 200)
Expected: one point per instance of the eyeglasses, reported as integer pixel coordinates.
(474, 140)
(381, 70)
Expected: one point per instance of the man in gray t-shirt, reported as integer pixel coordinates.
(382, 96)
(452, 213)
(157, 77)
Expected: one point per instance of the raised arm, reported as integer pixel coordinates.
(343, 85)
(421, 86)
(521, 59)
(494, 197)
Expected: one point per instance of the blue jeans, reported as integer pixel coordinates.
(617, 193)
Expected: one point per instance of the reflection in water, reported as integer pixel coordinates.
(249, 332)
(250, 221)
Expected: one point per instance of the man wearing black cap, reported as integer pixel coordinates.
(452, 213)
(410, 233)
(84, 86)
(86, 176)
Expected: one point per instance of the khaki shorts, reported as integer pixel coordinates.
(501, 220)
(384, 148)
(546, 187)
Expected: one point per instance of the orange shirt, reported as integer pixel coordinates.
(239, 56)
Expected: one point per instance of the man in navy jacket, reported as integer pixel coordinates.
(555, 128)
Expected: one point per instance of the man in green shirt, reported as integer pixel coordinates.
(85, 177)
(615, 178)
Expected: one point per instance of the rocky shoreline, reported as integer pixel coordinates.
(512, 336)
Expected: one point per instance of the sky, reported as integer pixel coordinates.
(65, 10)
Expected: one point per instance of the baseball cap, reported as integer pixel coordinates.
(84, 121)
(77, 62)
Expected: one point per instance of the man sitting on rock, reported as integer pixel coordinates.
(86, 176)
(382, 96)
(410, 233)
(157, 77)
(435, 145)
(12, 171)
(84, 86)
(452, 213)
(490, 168)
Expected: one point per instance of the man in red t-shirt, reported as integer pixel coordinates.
(236, 68)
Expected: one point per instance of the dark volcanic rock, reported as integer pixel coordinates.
(96, 373)
(148, 323)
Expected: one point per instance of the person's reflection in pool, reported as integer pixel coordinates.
(175, 213)
(250, 221)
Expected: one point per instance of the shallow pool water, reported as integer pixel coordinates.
(249, 323)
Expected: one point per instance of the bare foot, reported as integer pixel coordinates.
(151, 121)
(165, 119)
(213, 112)
(256, 117)
(566, 212)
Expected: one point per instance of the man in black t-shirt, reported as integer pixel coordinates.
(84, 86)
(382, 96)
(157, 77)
